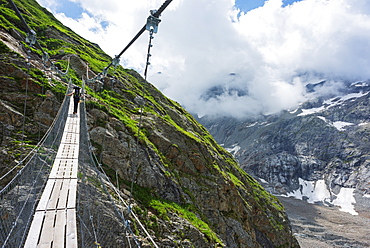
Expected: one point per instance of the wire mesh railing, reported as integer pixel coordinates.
(19, 197)
(100, 220)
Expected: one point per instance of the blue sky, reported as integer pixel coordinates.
(247, 5)
(71, 9)
(74, 9)
(272, 51)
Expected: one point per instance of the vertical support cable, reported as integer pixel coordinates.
(142, 104)
(140, 124)
(25, 98)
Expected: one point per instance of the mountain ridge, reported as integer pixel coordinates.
(322, 142)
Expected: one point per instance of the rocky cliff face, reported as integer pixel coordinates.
(319, 152)
(21, 93)
(188, 191)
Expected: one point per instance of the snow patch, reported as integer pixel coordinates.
(353, 95)
(367, 196)
(314, 191)
(235, 148)
(331, 103)
(345, 200)
(341, 124)
(317, 191)
(360, 84)
(262, 180)
(322, 118)
(252, 124)
(294, 111)
(311, 111)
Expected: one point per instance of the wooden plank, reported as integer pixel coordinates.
(57, 226)
(65, 171)
(71, 106)
(74, 169)
(54, 169)
(47, 232)
(71, 234)
(75, 148)
(63, 194)
(72, 128)
(76, 137)
(57, 167)
(71, 169)
(70, 138)
(35, 230)
(46, 195)
(60, 229)
(64, 168)
(52, 203)
(68, 151)
(73, 120)
(68, 129)
(71, 203)
(61, 151)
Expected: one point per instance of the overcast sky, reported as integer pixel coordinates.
(257, 56)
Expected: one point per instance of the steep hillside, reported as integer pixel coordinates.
(188, 191)
(319, 152)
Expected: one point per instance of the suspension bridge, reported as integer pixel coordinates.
(60, 196)
(55, 218)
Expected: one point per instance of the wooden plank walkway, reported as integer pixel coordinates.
(54, 222)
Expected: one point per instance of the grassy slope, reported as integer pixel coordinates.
(121, 106)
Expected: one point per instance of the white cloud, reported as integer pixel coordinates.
(51, 4)
(87, 25)
(266, 50)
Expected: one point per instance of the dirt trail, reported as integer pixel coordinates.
(317, 226)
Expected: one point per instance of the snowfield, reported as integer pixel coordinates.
(331, 103)
(317, 191)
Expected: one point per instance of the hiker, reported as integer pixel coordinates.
(76, 98)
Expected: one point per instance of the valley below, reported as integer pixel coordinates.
(318, 226)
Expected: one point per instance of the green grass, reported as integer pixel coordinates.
(4, 48)
(162, 207)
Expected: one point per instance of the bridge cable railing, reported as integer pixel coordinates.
(30, 41)
(101, 219)
(152, 28)
(152, 23)
(96, 227)
(19, 197)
